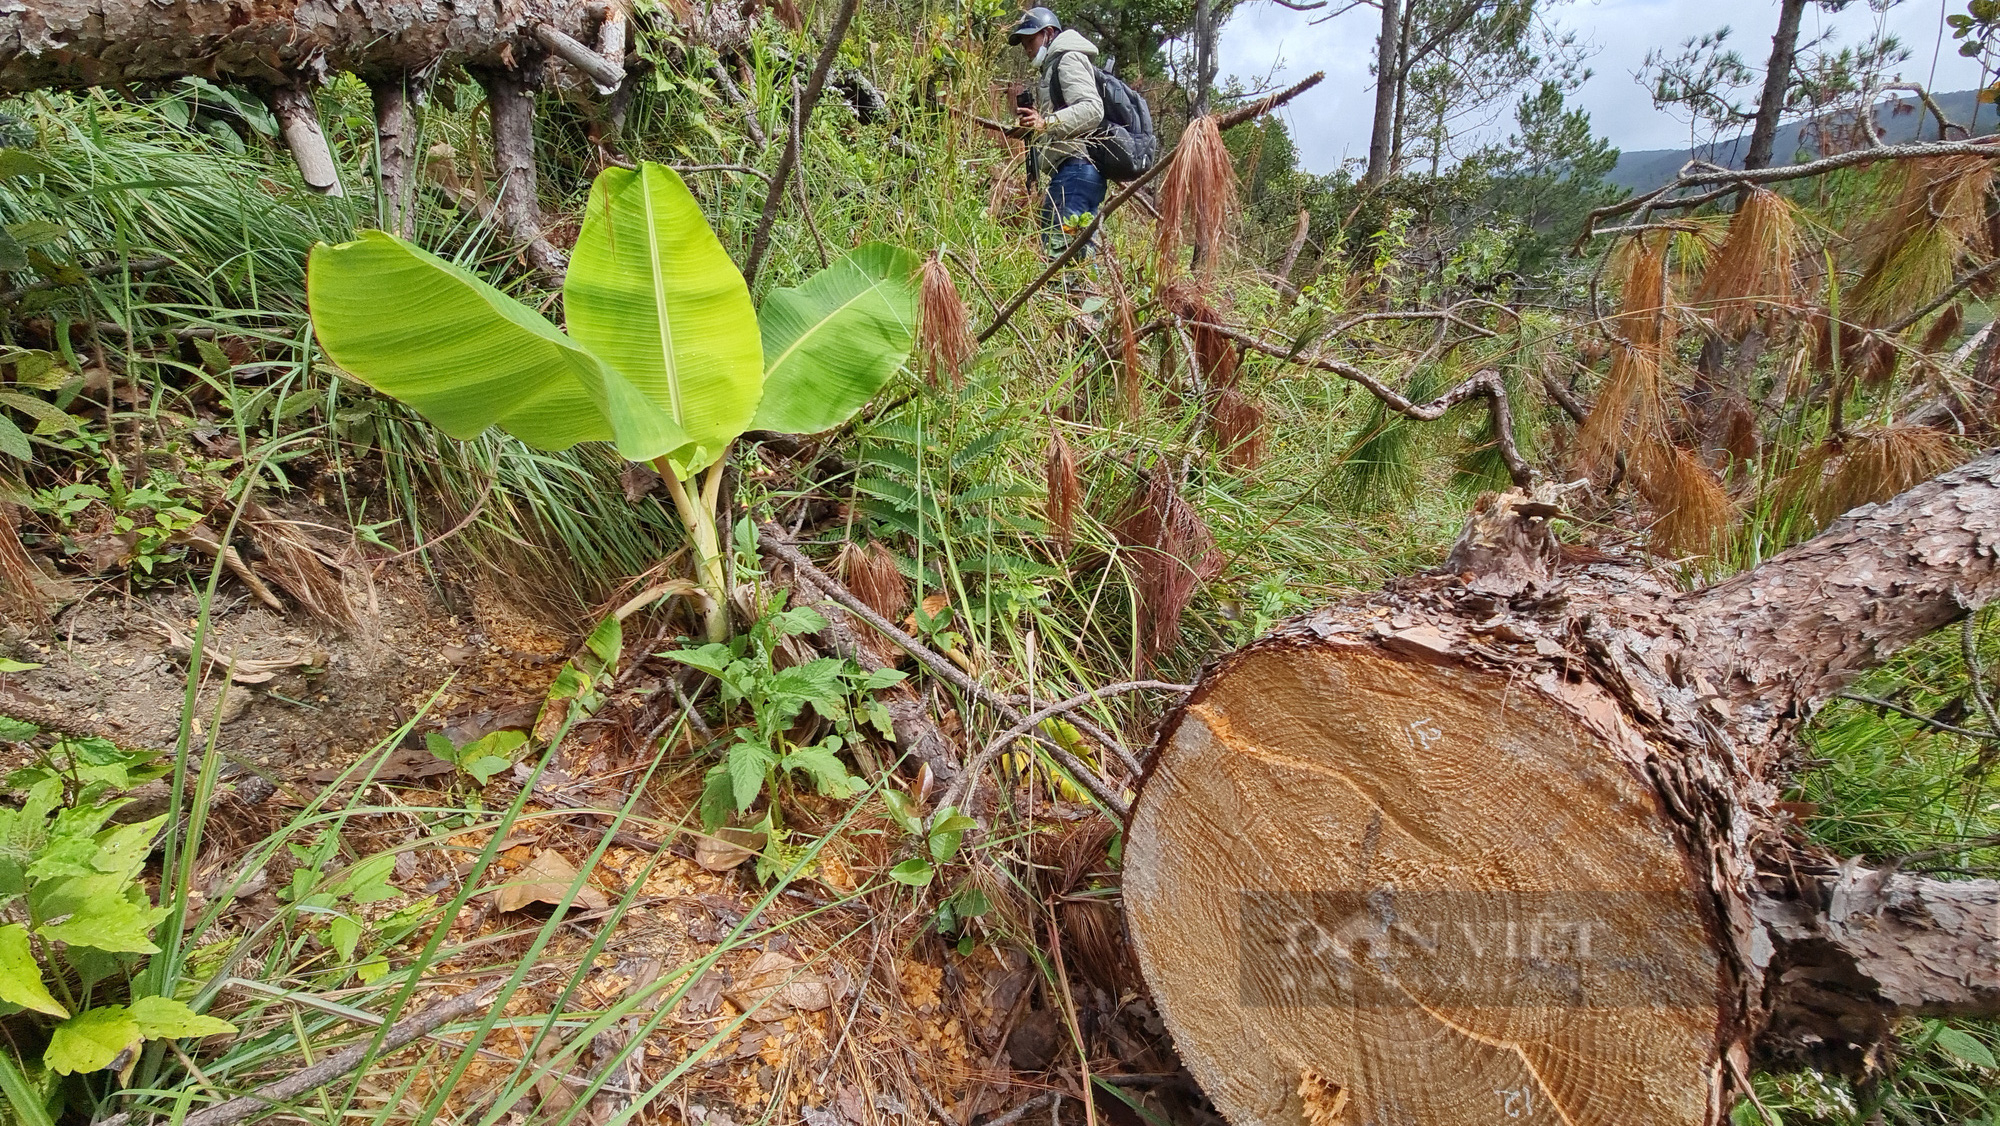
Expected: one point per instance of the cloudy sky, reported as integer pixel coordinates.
(1330, 122)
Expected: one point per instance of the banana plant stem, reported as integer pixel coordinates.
(699, 516)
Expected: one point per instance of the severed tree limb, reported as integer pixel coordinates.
(1958, 286)
(512, 103)
(916, 733)
(264, 1098)
(298, 124)
(1737, 177)
(1226, 120)
(395, 154)
(1485, 384)
(604, 73)
(761, 242)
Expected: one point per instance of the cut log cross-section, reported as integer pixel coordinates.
(1502, 842)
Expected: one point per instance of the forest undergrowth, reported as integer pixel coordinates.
(515, 894)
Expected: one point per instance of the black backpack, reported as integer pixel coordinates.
(1124, 146)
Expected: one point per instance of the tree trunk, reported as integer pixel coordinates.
(1503, 841)
(1204, 56)
(512, 103)
(1387, 50)
(1777, 80)
(72, 43)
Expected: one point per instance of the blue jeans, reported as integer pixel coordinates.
(1077, 188)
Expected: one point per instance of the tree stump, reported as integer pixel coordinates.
(1501, 843)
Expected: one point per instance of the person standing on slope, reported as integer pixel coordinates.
(1067, 110)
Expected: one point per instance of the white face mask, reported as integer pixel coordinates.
(1041, 54)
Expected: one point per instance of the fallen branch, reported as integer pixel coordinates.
(298, 124)
(1228, 120)
(1737, 177)
(762, 241)
(334, 1066)
(1957, 287)
(743, 105)
(606, 74)
(1018, 1113)
(956, 794)
(101, 270)
(773, 540)
(1485, 384)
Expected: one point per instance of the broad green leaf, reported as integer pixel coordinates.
(651, 290)
(21, 975)
(831, 344)
(166, 1018)
(916, 873)
(748, 763)
(605, 643)
(343, 933)
(947, 833)
(828, 773)
(8, 664)
(91, 1040)
(17, 730)
(368, 880)
(467, 356)
(903, 810)
(97, 911)
(1966, 1047)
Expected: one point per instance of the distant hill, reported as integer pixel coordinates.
(1652, 167)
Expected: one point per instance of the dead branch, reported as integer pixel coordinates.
(1737, 177)
(1049, 1098)
(956, 793)
(762, 241)
(333, 1066)
(1958, 286)
(1485, 384)
(298, 123)
(101, 270)
(1228, 120)
(604, 73)
(743, 105)
(799, 179)
(771, 539)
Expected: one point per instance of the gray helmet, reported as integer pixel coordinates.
(1032, 21)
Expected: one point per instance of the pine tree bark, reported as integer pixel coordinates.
(76, 43)
(1777, 80)
(1504, 840)
(1387, 83)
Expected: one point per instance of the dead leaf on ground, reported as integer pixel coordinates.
(546, 878)
(780, 983)
(727, 848)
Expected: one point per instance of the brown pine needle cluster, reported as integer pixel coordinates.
(1631, 417)
(1757, 267)
(1172, 553)
(869, 570)
(1131, 376)
(1214, 351)
(1197, 195)
(1691, 508)
(21, 595)
(944, 338)
(1932, 215)
(298, 566)
(1864, 467)
(1065, 493)
(1239, 429)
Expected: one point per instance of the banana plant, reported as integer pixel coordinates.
(664, 357)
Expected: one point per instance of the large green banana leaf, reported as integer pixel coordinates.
(652, 292)
(831, 344)
(467, 356)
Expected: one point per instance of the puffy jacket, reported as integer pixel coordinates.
(1072, 61)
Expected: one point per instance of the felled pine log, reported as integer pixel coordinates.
(1504, 842)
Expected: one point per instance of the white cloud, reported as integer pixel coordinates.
(1330, 122)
